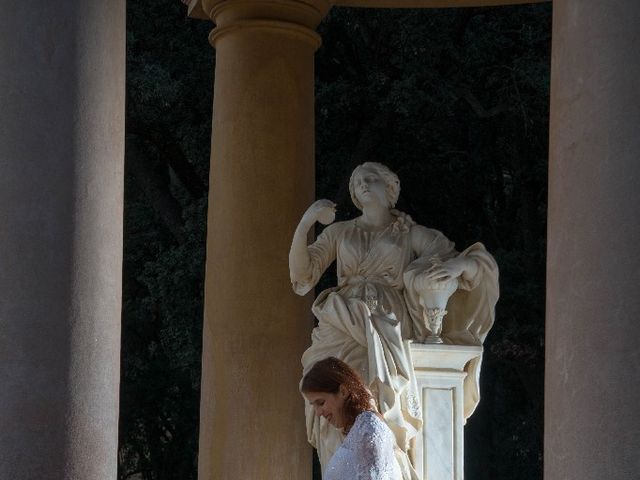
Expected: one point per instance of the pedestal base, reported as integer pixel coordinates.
(439, 449)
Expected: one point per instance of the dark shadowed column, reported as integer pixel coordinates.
(592, 407)
(62, 67)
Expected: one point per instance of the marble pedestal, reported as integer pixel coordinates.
(439, 450)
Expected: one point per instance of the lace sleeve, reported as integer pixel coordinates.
(373, 449)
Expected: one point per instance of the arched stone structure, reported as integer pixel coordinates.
(61, 152)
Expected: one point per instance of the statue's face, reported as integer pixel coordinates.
(328, 405)
(370, 188)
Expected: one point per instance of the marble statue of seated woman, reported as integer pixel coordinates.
(388, 269)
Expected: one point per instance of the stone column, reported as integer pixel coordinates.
(592, 396)
(62, 67)
(262, 179)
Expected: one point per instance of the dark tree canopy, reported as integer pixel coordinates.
(454, 100)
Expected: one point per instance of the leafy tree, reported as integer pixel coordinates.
(168, 124)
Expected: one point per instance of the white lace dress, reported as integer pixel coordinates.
(367, 452)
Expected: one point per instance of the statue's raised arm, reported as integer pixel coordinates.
(308, 263)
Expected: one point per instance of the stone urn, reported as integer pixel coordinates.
(434, 299)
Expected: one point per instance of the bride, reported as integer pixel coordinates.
(384, 262)
(336, 392)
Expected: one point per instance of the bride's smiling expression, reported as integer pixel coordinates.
(328, 405)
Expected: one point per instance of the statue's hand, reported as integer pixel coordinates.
(443, 271)
(323, 211)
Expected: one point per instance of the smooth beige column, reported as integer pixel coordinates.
(262, 179)
(592, 394)
(62, 67)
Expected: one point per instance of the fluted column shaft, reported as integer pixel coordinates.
(262, 179)
(592, 394)
(62, 67)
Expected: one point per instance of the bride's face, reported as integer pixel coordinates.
(370, 188)
(328, 405)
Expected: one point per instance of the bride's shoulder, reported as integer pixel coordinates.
(370, 431)
(369, 420)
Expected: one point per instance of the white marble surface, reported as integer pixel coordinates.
(440, 374)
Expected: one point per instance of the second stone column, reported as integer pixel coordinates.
(262, 179)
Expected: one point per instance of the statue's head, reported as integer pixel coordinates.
(390, 179)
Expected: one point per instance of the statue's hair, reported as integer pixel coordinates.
(326, 376)
(391, 179)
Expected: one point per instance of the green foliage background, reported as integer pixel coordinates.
(455, 101)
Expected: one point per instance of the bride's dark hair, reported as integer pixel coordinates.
(327, 375)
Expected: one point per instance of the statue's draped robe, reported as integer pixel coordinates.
(369, 318)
